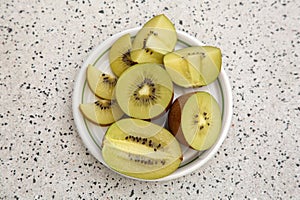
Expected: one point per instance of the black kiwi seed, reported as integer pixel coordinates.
(201, 127)
(126, 59)
(204, 113)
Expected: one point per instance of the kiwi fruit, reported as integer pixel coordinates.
(194, 66)
(140, 149)
(195, 120)
(174, 117)
(144, 91)
(119, 55)
(156, 38)
(102, 112)
(101, 84)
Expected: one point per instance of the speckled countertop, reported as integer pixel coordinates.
(43, 45)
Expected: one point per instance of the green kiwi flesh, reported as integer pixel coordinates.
(119, 55)
(144, 91)
(141, 149)
(102, 112)
(101, 84)
(156, 38)
(201, 121)
(194, 66)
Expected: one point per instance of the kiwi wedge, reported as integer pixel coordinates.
(102, 112)
(101, 84)
(195, 120)
(119, 55)
(194, 66)
(156, 38)
(144, 91)
(140, 149)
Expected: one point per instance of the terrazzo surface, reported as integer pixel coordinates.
(43, 45)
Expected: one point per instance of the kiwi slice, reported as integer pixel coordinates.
(174, 117)
(194, 66)
(119, 55)
(144, 91)
(101, 84)
(141, 149)
(156, 38)
(196, 120)
(103, 112)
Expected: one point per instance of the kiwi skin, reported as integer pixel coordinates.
(174, 117)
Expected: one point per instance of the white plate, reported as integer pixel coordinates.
(92, 134)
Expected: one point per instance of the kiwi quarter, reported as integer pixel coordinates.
(194, 66)
(144, 91)
(197, 122)
(119, 55)
(156, 38)
(141, 149)
(102, 112)
(101, 84)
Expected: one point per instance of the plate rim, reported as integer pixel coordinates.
(196, 164)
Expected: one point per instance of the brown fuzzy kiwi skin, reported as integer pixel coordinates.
(174, 117)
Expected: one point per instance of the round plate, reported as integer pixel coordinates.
(92, 134)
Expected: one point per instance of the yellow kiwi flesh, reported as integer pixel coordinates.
(102, 112)
(201, 121)
(144, 91)
(194, 66)
(119, 55)
(101, 84)
(141, 149)
(174, 117)
(156, 38)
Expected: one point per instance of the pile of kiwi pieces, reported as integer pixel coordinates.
(140, 89)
